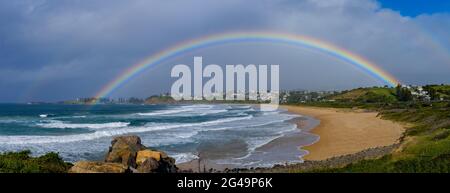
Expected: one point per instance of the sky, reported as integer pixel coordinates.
(414, 8)
(53, 50)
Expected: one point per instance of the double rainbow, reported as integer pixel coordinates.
(237, 37)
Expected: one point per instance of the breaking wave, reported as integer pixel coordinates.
(64, 125)
(104, 133)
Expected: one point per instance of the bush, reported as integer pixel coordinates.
(22, 162)
(441, 135)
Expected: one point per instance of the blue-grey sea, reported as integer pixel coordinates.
(230, 133)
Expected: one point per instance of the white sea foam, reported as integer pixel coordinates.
(79, 116)
(12, 121)
(106, 133)
(198, 106)
(240, 107)
(227, 120)
(271, 113)
(257, 142)
(209, 112)
(185, 135)
(184, 112)
(278, 120)
(183, 157)
(163, 112)
(254, 123)
(64, 125)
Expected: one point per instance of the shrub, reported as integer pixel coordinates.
(22, 162)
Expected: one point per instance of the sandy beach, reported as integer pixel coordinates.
(344, 131)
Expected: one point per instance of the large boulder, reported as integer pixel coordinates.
(98, 167)
(124, 150)
(145, 159)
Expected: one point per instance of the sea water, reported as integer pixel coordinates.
(83, 132)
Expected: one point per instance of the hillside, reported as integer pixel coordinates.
(366, 95)
(160, 100)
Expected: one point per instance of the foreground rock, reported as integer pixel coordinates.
(127, 154)
(98, 167)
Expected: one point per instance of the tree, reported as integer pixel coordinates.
(403, 93)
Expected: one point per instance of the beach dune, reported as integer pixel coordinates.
(345, 131)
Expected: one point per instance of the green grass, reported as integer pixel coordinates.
(425, 118)
(367, 95)
(22, 162)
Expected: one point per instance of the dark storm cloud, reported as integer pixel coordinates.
(51, 50)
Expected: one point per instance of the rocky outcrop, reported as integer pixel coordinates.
(127, 154)
(98, 167)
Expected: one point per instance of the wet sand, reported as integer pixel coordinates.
(344, 131)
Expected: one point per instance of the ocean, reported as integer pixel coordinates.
(229, 134)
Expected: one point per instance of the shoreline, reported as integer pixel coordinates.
(345, 131)
(279, 151)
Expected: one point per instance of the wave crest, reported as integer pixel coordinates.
(64, 125)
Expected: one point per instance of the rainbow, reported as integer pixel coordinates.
(238, 37)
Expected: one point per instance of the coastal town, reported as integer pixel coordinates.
(424, 93)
